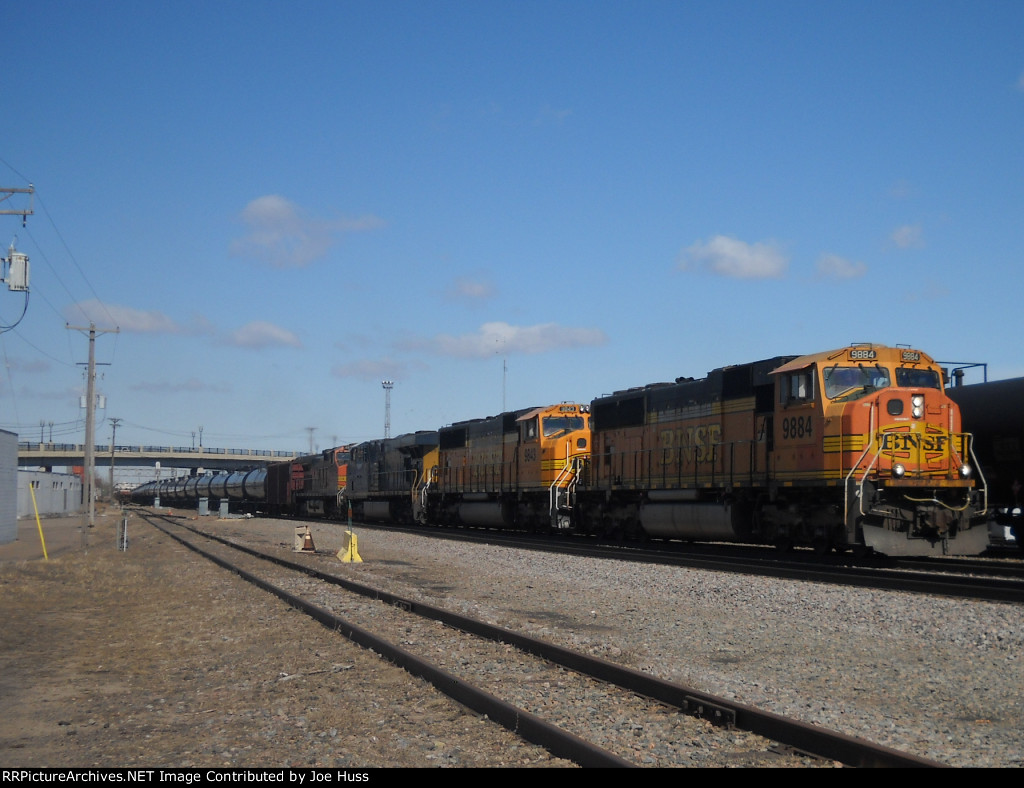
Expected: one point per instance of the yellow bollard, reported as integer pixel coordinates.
(39, 525)
(349, 553)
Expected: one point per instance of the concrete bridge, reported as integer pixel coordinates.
(49, 455)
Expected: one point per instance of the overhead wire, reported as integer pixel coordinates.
(76, 303)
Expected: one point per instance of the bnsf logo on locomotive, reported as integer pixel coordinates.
(698, 443)
(908, 441)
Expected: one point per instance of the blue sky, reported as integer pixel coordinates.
(281, 204)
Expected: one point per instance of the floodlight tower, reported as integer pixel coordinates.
(388, 385)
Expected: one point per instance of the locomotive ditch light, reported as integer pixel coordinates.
(898, 470)
(966, 471)
(917, 403)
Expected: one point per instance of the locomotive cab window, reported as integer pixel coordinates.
(530, 429)
(850, 383)
(561, 425)
(798, 387)
(911, 378)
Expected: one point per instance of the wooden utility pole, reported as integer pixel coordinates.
(113, 448)
(90, 417)
(6, 192)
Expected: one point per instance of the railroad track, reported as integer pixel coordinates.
(988, 580)
(512, 677)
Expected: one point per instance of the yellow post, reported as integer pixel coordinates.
(349, 553)
(39, 525)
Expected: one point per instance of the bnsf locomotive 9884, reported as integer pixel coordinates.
(854, 448)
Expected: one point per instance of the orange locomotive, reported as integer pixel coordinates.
(858, 447)
(310, 485)
(514, 470)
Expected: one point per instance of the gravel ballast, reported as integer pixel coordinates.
(940, 678)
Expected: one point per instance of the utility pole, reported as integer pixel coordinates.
(7, 192)
(388, 385)
(310, 430)
(90, 416)
(113, 448)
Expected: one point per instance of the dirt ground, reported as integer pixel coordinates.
(152, 657)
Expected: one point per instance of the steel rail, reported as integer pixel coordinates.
(813, 740)
(528, 726)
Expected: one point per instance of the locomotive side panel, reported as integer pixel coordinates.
(514, 470)
(685, 460)
(386, 477)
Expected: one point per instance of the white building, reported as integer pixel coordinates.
(8, 486)
(55, 493)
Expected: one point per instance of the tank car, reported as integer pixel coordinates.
(514, 470)
(247, 485)
(993, 412)
(857, 447)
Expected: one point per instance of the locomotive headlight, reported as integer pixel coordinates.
(966, 471)
(898, 470)
(917, 403)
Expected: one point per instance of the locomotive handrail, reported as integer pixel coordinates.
(566, 479)
(429, 476)
(853, 469)
(981, 474)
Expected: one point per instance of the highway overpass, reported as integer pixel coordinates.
(49, 455)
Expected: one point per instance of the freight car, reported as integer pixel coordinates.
(854, 448)
(858, 447)
(994, 414)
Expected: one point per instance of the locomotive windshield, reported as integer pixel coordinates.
(558, 425)
(911, 378)
(850, 383)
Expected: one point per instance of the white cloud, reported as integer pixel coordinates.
(503, 339)
(736, 259)
(832, 266)
(902, 189)
(909, 236)
(367, 369)
(125, 318)
(31, 366)
(189, 386)
(549, 115)
(470, 290)
(260, 334)
(283, 236)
